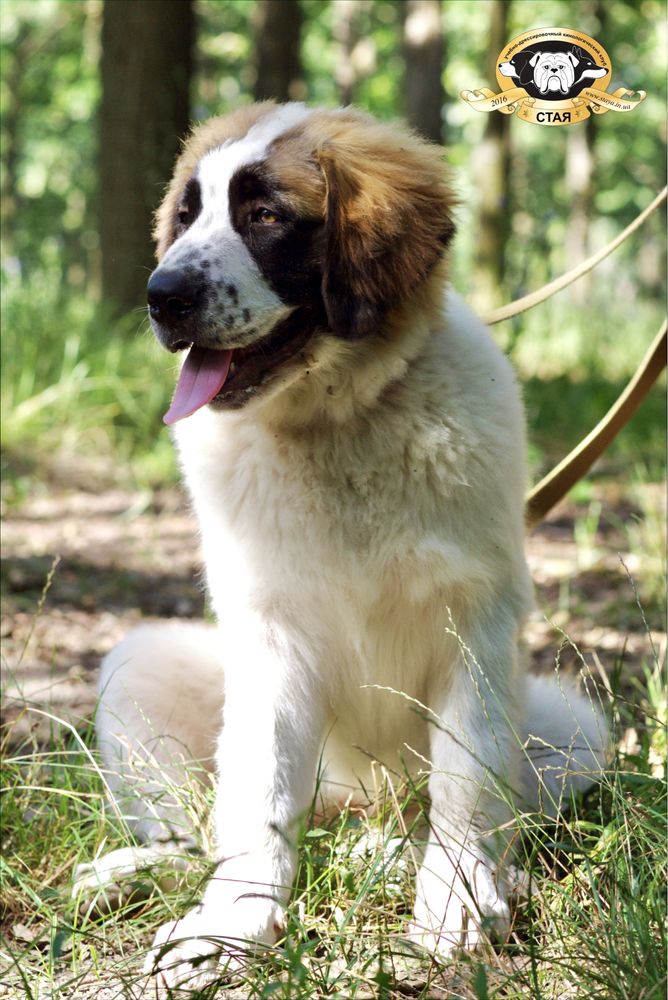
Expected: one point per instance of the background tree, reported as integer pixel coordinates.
(13, 80)
(145, 109)
(49, 59)
(492, 171)
(423, 49)
(278, 27)
(580, 159)
(345, 31)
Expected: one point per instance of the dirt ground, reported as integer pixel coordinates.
(80, 568)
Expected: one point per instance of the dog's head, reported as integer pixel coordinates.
(281, 225)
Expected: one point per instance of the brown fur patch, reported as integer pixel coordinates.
(389, 215)
(294, 166)
(202, 140)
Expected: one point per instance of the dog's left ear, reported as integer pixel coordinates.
(388, 221)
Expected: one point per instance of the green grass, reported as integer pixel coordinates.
(591, 924)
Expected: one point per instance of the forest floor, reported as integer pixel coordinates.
(116, 558)
(82, 566)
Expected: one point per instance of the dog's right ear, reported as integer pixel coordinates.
(388, 220)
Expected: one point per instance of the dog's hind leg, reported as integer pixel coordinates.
(488, 763)
(159, 714)
(566, 742)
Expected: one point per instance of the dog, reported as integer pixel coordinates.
(353, 444)
(554, 74)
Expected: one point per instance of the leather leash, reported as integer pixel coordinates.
(556, 484)
(566, 474)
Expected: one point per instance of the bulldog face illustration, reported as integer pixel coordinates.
(553, 71)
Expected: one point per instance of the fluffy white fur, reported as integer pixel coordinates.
(362, 529)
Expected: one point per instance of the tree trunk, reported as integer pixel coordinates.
(579, 184)
(11, 146)
(278, 27)
(423, 58)
(345, 14)
(580, 161)
(491, 165)
(146, 70)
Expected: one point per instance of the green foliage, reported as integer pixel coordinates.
(48, 102)
(606, 912)
(92, 386)
(76, 380)
(628, 152)
(224, 72)
(50, 94)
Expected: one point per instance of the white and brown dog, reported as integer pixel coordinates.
(353, 442)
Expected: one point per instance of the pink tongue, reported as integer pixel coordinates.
(202, 377)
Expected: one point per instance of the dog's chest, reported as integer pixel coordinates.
(340, 499)
(351, 535)
(284, 507)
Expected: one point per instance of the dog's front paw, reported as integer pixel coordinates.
(187, 953)
(212, 941)
(459, 904)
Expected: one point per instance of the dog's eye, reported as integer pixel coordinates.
(266, 217)
(188, 206)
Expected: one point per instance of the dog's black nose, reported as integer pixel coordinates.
(171, 296)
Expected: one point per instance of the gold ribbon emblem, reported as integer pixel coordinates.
(525, 66)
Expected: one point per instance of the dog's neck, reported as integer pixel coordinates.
(347, 381)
